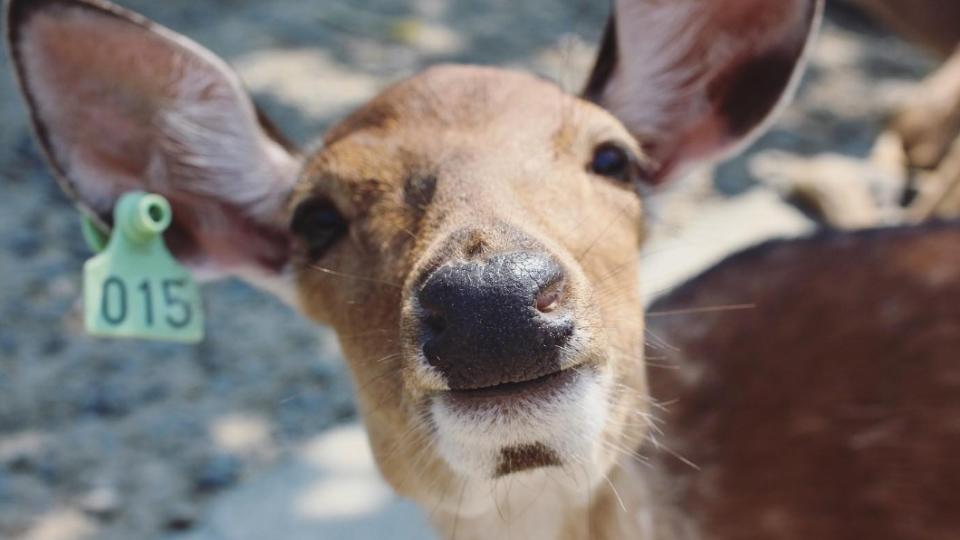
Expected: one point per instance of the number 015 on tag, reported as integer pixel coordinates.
(135, 288)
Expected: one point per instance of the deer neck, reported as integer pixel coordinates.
(554, 504)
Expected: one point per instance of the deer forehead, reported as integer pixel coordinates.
(451, 118)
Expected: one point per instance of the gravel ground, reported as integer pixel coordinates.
(122, 440)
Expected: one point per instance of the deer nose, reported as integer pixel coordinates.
(495, 321)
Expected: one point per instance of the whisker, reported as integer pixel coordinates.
(616, 493)
(456, 517)
(705, 309)
(660, 446)
(367, 333)
(621, 214)
(351, 276)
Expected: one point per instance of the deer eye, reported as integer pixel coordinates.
(613, 161)
(319, 225)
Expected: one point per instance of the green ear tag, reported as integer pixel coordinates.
(135, 288)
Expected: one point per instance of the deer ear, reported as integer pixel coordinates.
(694, 80)
(119, 103)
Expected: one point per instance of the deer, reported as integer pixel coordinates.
(917, 156)
(927, 23)
(829, 408)
(928, 125)
(472, 236)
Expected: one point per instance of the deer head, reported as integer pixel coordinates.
(471, 233)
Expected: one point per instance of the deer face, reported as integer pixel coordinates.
(470, 234)
(483, 280)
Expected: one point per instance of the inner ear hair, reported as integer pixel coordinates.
(695, 80)
(120, 103)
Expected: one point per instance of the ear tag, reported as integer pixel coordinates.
(135, 288)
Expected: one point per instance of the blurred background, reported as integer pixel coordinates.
(253, 433)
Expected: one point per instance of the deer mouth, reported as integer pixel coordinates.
(513, 394)
(511, 427)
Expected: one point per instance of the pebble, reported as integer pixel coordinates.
(101, 502)
(8, 346)
(54, 345)
(181, 517)
(218, 472)
(109, 400)
(24, 244)
(27, 151)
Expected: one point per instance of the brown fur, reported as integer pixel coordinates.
(366, 170)
(931, 23)
(455, 163)
(831, 409)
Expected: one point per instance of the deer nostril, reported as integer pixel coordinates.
(435, 323)
(548, 300)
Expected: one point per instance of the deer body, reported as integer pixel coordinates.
(830, 409)
(471, 234)
(929, 23)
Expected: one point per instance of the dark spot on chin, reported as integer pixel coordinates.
(526, 457)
